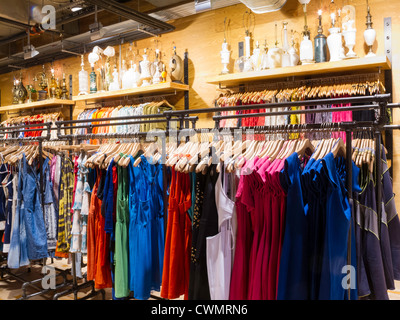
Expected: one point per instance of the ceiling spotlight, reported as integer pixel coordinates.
(30, 52)
(75, 7)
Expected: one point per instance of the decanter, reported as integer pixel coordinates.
(83, 80)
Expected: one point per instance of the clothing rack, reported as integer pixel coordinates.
(5, 269)
(73, 283)
(376, 102)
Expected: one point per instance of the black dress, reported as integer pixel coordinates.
(205, 224)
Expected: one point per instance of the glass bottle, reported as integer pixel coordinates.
(93, 81)
(320, 43)
(64, 91)
(285, 47)
(83, 80)
(114, 85)
(53, 86)
(14, 92)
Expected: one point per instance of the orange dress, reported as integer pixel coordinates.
(175, 279)
(98, 260)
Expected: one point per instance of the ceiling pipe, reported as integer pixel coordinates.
(130, 14)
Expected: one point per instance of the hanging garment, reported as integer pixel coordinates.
(370, 271)
(94, 207)
(103, 271)
(49, 208)
(197, 212)
(293, 280)
(3, 175)
(142, 232)
(219, 249)
(18, 252)
(156, 184)
(64, 207)
(390, 227)
(121, 235)
(175, 279)
(338, 221)
(9, 187)
(32, 213)
(208, 227)
(240, 271)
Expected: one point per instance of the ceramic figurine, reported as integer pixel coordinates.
(145, 73)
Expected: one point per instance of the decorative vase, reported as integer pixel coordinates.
(350, 41)
(275, 58)
(334, 44)
(369, 37)
(264, 58)
(145, 74)
(176, 67)
(306, 50)
(114, 85)
(157, 72)
(135, 76)
(369, 34)
(21, 92)
(225, 57)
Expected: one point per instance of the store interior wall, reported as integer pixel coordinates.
(201, 36)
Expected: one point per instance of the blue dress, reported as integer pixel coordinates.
(293, 276)
(336, 240)
(142, 267)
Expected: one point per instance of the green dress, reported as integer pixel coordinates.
(121, 282)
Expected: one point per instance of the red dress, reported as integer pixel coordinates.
(175, 278)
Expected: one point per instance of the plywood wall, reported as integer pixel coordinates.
(202, 35)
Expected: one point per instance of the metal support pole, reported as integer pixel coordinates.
(186, 81)
(378, 176)
(349, 182)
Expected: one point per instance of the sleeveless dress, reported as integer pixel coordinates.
(220, 247)
(293, 282)
(121, 235)
(143, 266)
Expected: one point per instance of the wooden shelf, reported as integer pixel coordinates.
(37, 104)
(350, 65)
(165, 87)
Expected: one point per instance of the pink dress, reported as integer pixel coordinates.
(252, 200)
(244, 236)
(264, 254)
(259, 192)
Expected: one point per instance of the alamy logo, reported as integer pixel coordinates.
(349, 280)
(49, 18)
(49, 280)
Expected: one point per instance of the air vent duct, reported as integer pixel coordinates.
(264, 6)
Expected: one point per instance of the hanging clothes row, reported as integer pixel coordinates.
(304, 92)
(34, 119)
(125, 220)
(277, 226)
(147, 108)
(34, 206)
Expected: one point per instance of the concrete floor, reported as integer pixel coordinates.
(12, 289)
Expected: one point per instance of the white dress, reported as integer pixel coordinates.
(220, 247)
